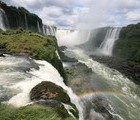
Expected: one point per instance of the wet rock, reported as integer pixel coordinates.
(102, 106)
(2, 55)
(49, 91)
(64, 57)
(51, 103)
(49, 94)
(62, 48)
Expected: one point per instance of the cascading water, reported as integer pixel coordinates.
(106, 46)
(38, 26)
(18, 76)
(49, 30)
(26, 22)
(2, 20)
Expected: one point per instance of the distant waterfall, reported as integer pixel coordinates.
(106, 46)
(72, 37)
(49, 30)
(26, 22)
(38, 26)
(3, 20)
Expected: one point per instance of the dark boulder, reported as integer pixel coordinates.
(49, 94)
(49, 91)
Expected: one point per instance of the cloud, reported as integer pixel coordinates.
(83, 13)
(133, 15)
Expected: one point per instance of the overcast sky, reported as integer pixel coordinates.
(83, 13)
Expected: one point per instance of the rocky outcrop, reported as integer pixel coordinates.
(101, 105)
(49, 91)
(52, 95)
(65, 58)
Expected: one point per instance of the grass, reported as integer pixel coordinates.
(36, 45)
(34, 112)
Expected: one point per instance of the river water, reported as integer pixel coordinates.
(118, 92)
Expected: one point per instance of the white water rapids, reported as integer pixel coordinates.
(18, 76)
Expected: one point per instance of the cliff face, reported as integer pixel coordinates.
(128, 44)
(20, 17)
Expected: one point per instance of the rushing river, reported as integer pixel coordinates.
(122, 95)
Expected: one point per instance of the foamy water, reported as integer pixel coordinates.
(30, 79)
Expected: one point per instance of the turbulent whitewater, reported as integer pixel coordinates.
(20, 74)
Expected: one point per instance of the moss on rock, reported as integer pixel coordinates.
(49, 91)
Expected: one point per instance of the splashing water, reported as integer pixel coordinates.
(16, 78)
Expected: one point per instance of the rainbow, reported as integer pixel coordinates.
(91, 93)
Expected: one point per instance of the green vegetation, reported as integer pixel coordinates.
(22, 42)
(33, 112)
(128, 45)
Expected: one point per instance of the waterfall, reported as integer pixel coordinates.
(26, 22)
(38, 26)
(106, 46)
(3, 20)
(72, 37)
(49, 30)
